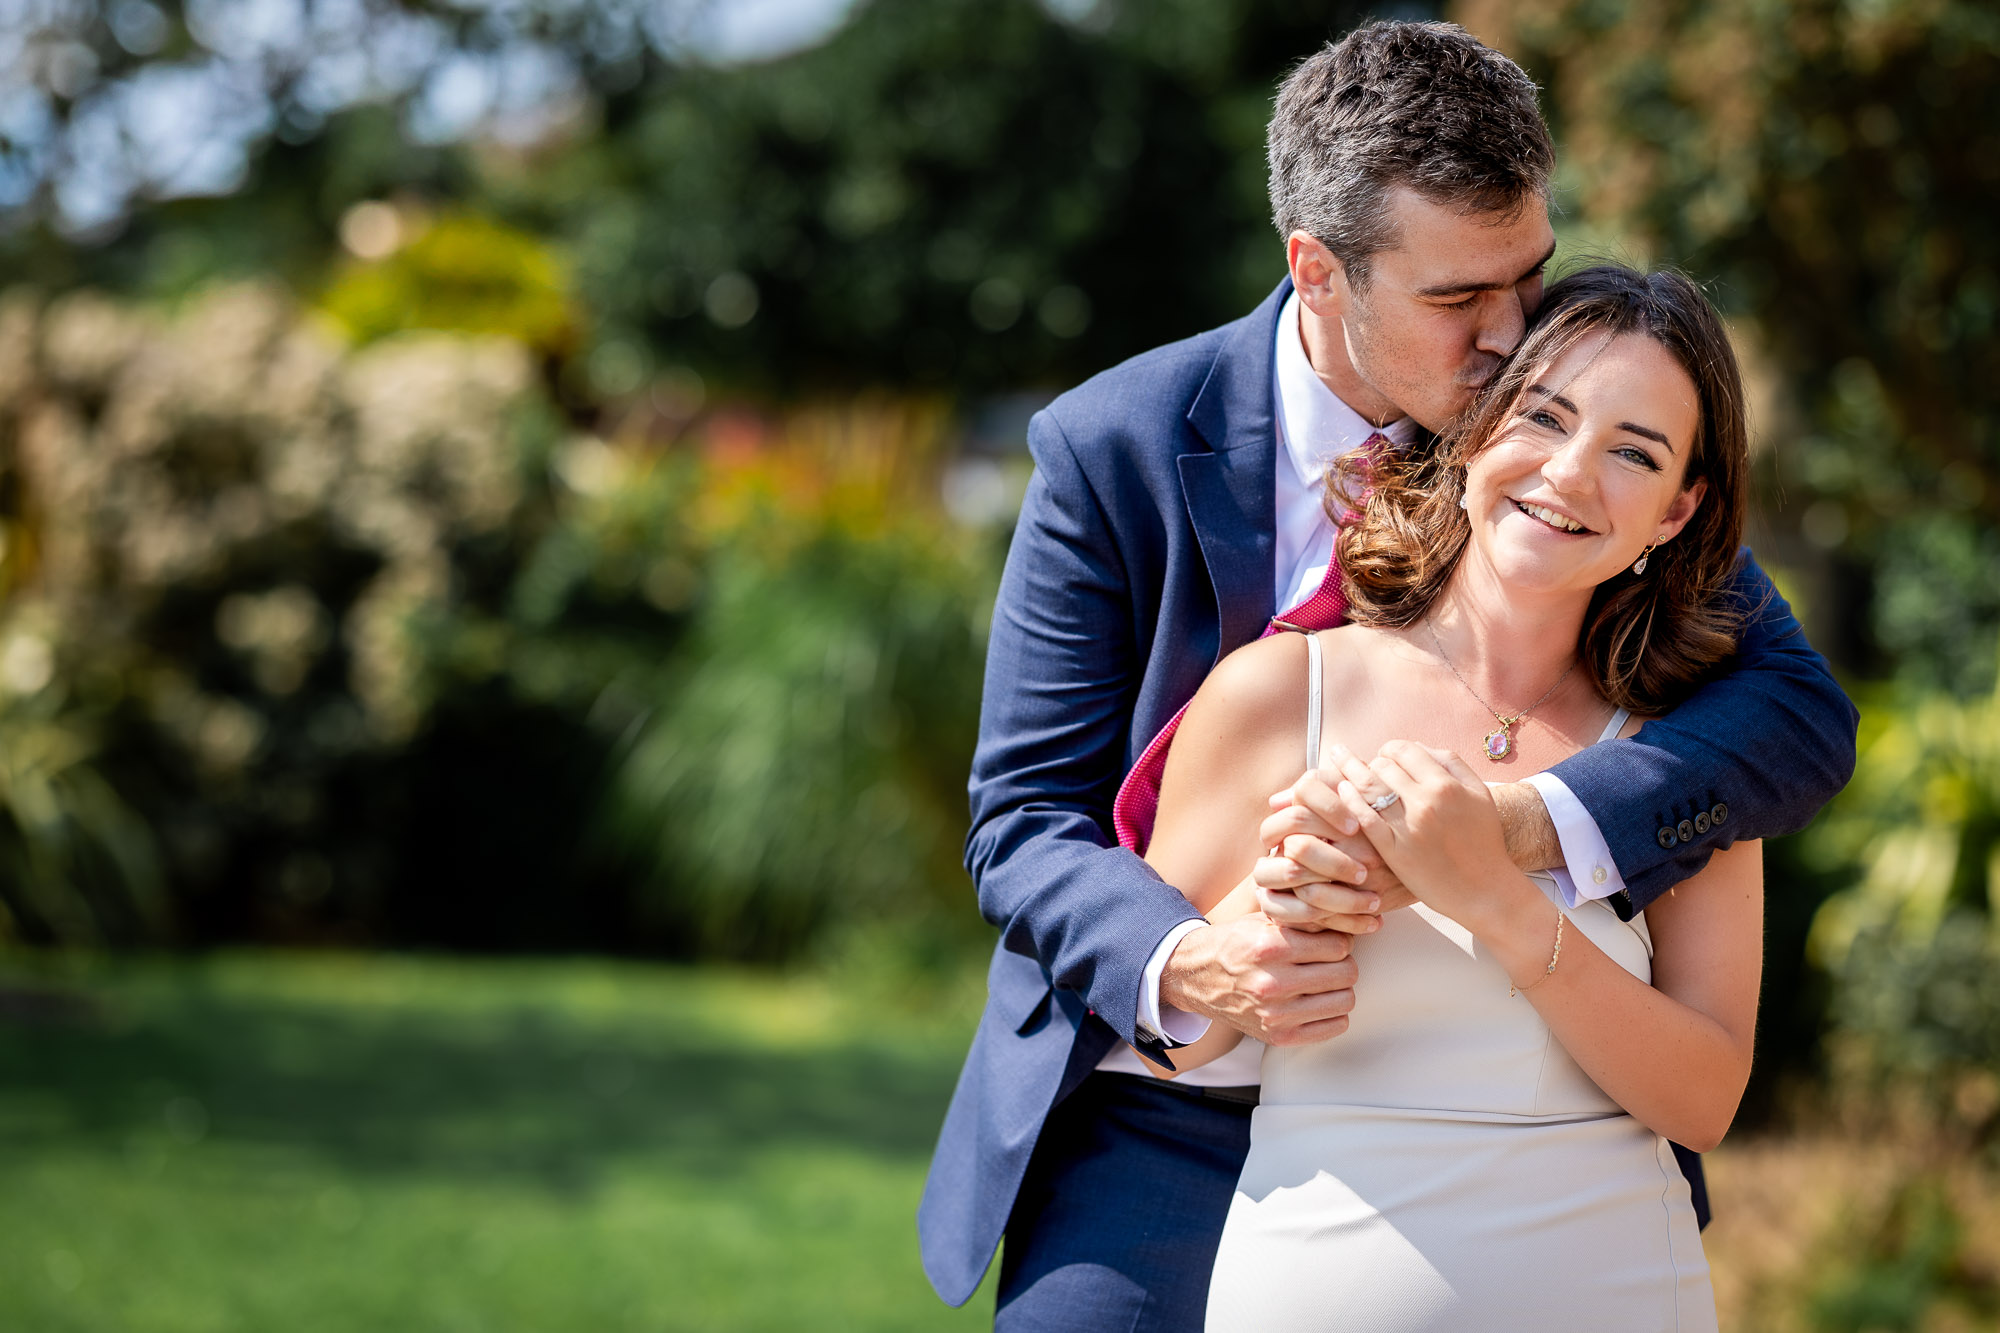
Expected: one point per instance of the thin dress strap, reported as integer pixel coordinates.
(1617, 724)
(1312, 700)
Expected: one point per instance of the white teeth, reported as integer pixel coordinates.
(1551, 517)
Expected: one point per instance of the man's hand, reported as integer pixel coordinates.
(1284, 987)
(1321, 873)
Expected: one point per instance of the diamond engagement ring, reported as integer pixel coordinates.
(1384, 802)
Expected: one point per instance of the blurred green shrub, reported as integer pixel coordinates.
(1913, 945)
(376, 652)
(1910, 1270)
(459, 272)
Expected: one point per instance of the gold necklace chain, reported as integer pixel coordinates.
(1500, 743)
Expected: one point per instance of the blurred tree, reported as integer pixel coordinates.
(970, 192)
(981, 193)
(1834, 168)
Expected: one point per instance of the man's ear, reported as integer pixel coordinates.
(1682, 509)
(1320, 278)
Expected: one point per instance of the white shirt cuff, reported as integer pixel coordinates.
(1587, 871)
(1176, 1027)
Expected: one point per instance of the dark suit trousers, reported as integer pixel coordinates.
(1118, 1219)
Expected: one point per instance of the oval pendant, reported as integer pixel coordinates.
(1499, 744)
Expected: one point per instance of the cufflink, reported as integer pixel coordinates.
(1599, 875)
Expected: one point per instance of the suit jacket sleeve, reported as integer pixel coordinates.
(1767, 745)
(1062, 672)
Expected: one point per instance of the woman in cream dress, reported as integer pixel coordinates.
(1485, 1147)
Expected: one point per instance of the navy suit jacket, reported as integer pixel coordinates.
(1143, 554)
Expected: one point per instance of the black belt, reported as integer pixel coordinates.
(1245, 1095)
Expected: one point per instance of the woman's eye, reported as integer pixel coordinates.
(1639, 456)
(1545, 419)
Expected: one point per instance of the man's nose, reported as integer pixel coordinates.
(1504, 320)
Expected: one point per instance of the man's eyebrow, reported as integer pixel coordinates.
(1467, 288)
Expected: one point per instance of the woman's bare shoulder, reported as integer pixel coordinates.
(1257, 688)
(1244, 733)
(1260, 689)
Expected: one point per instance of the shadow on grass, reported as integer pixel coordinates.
(504, 1091)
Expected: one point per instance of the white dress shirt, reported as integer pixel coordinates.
(1314, 428)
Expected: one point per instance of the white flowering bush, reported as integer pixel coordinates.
(223, 540)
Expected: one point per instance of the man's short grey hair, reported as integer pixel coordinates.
(1423, 105)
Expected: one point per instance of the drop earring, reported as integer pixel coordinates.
(1639, 565)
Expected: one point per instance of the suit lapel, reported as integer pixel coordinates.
(1231, 488)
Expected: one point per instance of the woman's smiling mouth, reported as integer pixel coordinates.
(1549, 517)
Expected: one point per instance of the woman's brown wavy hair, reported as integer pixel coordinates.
(1648, 640)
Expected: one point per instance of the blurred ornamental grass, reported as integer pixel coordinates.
(798, 764)
(76, 862)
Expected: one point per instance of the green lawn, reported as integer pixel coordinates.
(302, 1143)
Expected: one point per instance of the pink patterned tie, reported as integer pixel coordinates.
(1138, 799)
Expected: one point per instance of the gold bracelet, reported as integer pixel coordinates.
(1554, 958)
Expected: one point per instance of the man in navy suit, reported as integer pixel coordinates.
(1174, 510)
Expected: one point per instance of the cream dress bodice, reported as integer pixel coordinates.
(1445, 1165)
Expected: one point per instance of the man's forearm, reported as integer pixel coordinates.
(1531, 835)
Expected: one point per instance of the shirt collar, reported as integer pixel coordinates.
(1314, 425)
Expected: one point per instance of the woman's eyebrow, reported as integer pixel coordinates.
(1648, 432)
(1566, 405)
(1554, 397)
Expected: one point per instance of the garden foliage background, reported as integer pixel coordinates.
(530, 476)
